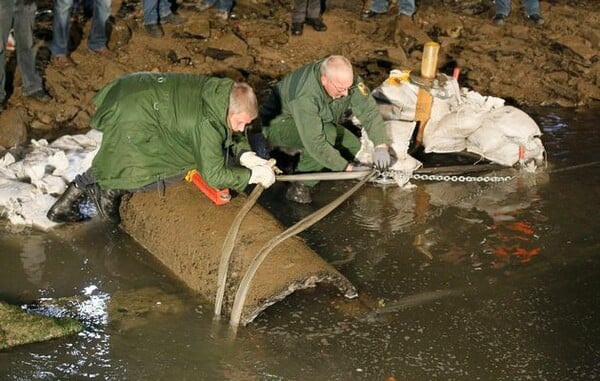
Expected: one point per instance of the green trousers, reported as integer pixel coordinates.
(283, 133)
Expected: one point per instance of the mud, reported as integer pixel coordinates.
(554, 65)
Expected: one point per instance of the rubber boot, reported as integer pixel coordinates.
(107, 202)
(299, 193)
(66, 208)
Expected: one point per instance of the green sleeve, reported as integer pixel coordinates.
(310, 128)
(210, 159)
(365, 109)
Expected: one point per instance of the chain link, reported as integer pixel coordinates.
(462, 179)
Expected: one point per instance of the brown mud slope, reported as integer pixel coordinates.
(557, 64)
(185, 232)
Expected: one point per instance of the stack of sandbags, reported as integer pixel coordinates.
(506, 136)
(460, 120)
(27, 185)
(449, 132)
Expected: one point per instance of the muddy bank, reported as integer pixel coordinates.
(554, 65)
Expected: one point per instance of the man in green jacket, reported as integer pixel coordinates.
(304, 112)
(158, 126)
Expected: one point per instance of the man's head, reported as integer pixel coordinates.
(336, 76)
(243, 106)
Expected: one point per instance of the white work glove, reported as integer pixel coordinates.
(250, 160)
(263, 175)
(381, 158)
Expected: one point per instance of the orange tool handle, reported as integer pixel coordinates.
(217, 196)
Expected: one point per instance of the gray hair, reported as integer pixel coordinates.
(242, 99)
(333, 64)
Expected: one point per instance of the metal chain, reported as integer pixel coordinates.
(462, 179)
(390, 178)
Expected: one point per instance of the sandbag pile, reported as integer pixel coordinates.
(28, 185)
(460, 120)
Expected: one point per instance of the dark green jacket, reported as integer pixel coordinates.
(160, 125)
(302, 97)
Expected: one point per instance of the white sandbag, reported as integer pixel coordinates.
(31, 211)
(501, 135)
(486, 138)
(435, 141)
(59, 162)
(78, 153)
(95, 135)
(405, 163)
(14, 189)
(534, 150)
(400, 132)
(365, 154)
(448, 133)
(50, 184)
(465, 118)
(514, 123)
(397, 97)
(445, 98)
(7, 160)
(85, 142)
(6, 173)
(505, 154)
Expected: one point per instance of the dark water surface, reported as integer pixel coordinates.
(458, 281)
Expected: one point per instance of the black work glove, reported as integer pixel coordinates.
(357, 167)
(381, 158)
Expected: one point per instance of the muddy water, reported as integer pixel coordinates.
(458, 281)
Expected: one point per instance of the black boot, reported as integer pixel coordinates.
(317, 24)
(299, 193)
(107, 202)
(66, 208)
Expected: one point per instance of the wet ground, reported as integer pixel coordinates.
(466, 281)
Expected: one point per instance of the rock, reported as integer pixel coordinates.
(558, 76)
(240, 63)
(450, 27)
(408, 35)
(120, 34)
(398, 56)
(13, 127)
(197, 28)
(579, 46)
(39, 125)
(587, 90)
(64, 114)
(81, 120)
(229, 43)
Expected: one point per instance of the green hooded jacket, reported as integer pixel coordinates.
(160, 125)
(300, 96)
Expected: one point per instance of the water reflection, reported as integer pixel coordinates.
(33, 257)
(489, 224)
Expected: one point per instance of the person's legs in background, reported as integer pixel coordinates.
(98, 38)
(23, 26)
(61, 23)
(313, 16)
(6, 17)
